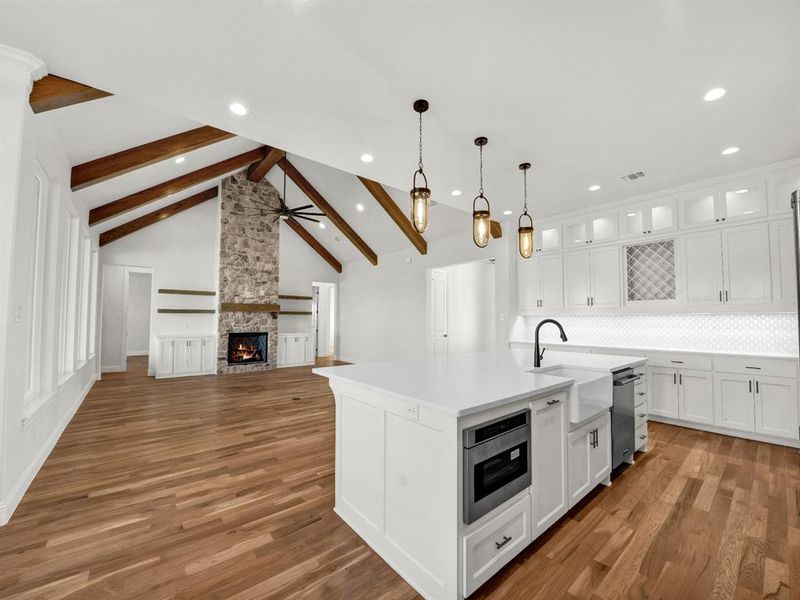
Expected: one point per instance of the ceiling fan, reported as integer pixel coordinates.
(301, 212)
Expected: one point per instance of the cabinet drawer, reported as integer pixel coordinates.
(640, 416)
(696, 362)
(640, 396)
(641, 435)
(756, 366)
(495, 543)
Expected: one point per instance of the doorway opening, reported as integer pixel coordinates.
(461, 308)
(323, 311)
(126, 318)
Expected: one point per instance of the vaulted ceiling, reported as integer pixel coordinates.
(586, 91)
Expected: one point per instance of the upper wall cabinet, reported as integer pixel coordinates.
(547, 238)
(784, 269)
(592, 278)
(781, 187)
(653, 218)
(737, 202)
(591, 230)
(540, 284)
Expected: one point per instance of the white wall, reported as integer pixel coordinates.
(299, 265)
(383, 309)
(470, 307)
(48, 358)
(138, 313)
(183, 253)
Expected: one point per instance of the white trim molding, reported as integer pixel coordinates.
(20, 66)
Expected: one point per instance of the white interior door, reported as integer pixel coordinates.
(439, 311)
(326, 319)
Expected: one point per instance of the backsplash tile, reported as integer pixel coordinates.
(756, 333)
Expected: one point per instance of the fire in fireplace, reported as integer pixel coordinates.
(247, 347)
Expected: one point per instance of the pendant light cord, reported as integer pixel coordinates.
(420, 142)
(525, 187)
(480, 150)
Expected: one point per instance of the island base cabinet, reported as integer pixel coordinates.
(589, 457)
(549, 461)
(491, 546)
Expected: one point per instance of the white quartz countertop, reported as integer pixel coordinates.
(457, 385)
(593, 362)
(464, 384)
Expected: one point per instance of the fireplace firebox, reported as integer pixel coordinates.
(246, 348)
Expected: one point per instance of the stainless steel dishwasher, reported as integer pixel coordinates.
(623, 442)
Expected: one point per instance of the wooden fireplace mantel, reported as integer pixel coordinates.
(248, 307)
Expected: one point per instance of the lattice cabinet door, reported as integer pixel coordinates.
(650, 272)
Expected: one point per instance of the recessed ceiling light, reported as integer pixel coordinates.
(742, 191)
(368, 158)
(321, 225)
(731, 150)
(237, 108)
(506, 212)
(631, 214)
(714, 94)
(360, 207)
(455, 193)
(594, 188)
(180, 159)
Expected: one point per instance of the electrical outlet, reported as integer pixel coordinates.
(412, 411)
(18, 314)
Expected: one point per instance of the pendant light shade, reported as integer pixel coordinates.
(481, 217)
(420, 195)
(525, 222)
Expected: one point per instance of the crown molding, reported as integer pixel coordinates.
(20, 66)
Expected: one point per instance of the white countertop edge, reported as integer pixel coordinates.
(562, 383)
(778, 356)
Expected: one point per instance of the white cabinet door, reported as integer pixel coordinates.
(784, 269)
(702, 268)
(695, 395)
(580, 463)
(781, 187)
(747, 265)
(744, 201)
(776, 407)
(209, 355)
(577, 275)
(698, 209)
(310, 349)
(605, 277)
(576, 233)
(165, 357)
(549, 461)
(601, 453)
(548, 237)
(293, 350)
(194, 355)
(527, 284)
(734, 401)
(663, 394)
(281, 350)
(661, 217)
(603, 228)
(551, 287)
(181, 361)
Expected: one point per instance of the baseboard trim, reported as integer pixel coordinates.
(9, 504)
(748, 435)
(139, 353)
(113, 369)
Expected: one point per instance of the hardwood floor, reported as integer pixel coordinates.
(222, 487)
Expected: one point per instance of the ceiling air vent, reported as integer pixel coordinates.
(633, 176)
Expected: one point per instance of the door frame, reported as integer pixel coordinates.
(315, 286)
(440, 273)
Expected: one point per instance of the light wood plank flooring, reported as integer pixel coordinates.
(222, 487)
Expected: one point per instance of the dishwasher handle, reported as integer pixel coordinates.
(627, 380)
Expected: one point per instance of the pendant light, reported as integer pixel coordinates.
(420, 196)
(481, 219)
(525, 232)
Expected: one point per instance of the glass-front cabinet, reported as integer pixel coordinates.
(652, 218)
(591, 230)
(737, 202)
(547, 237)
(698, 209)
(746, 201)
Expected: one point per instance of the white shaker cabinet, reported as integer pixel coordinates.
(695, 396)
(295, 349)
(663, 395)
(734, 400)
(784, 269)
(589, 457)
(702, 268)
(208, 354)
(776, 401)
(654, 218)
(165, 352)
(528, 284)
(185, 356)
(577, 276)
(747, 265)
(540, 283)
(592, 278)
(549, 461)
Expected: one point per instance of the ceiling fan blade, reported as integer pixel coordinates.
(301, 207)
(310, 214)
(305, 218)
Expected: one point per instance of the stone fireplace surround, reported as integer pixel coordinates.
(248, 265)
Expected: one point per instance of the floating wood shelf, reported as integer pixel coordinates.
(244, 307)
(187, 311)
(187, 292)
(294, 312)
(293, 297)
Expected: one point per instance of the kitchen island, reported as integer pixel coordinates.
(407, 481)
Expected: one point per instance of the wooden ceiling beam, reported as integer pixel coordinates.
(130, 227)
(258, 170)
(119, 163)
(315, 244)
(390, 206)
(496, 229)
(51, 92)
(162, 190)
(329, 211)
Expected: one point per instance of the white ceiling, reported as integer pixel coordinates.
(94, 129)
(586, 91)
